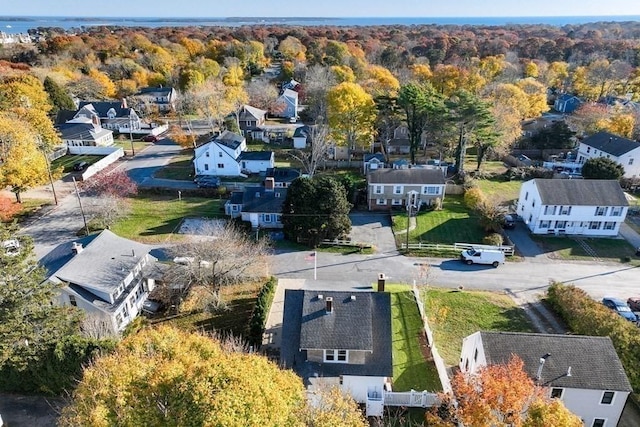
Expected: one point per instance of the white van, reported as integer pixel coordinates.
(482, 256)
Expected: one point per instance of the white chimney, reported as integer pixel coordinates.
(77, 248)
(329, 305)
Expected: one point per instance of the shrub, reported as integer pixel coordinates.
(473, 198)
(585, 316)
(261, 311)
(493, 239)
(8, 209)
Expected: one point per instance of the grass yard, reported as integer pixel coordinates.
(154, 218)
(411, 369)
(240, 301)
(455, 314)
(125, 144)
(608, 249)
(180, 167)
(454, 223)
(67, 162)
(500, 192)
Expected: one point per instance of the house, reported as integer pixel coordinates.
(260, 206)
(287, 104)
(393, 187)
(566, 103)
(256, 161)
(400, 164)
(85, 132)
(588, 207)
(400, 143)
(226, 155)
(115, 116)
(291, 84)
(250, 119)
(621, 150)
(584, 372)
(283, 177)
(105, 275)
(372, 161)
(301, 136)
(339, 339)
(162, 99)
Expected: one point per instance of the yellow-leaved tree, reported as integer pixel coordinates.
(165, 376)
(351, 115)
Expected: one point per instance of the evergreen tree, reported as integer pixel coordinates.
(60, 99)
(602, 168)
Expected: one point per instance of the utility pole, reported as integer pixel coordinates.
(408, 220)
(53, 189)
(133, 151)
(84, 218)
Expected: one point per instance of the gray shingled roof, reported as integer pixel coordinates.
(610, 143)
(103, 107)
(283, 174)
(377, 363)
(82, 131)
(593, 360)
(255, 155)
(370, 156)
(105, 262)
(249, 111)
(406, 176)
(155, 91)
(259, 200)
(229, 139)
(581, 192)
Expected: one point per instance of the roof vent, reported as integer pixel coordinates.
(329, 306)
(353, 297)
(320, 296)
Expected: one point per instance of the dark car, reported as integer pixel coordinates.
(206, 181)
(152, 307)
(620, 307)
(509, 221)
(150, 138)
(80, 166)
(634, 303)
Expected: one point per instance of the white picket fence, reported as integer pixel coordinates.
(415, 399)
(508, 250)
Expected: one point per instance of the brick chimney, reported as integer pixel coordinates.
(329, 305)
(124, 103)
(76, 248)
(269, 183)
(381, 282)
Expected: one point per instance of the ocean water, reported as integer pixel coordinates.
(14, 25)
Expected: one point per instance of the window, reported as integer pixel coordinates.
(630, 161)
(206, 166)
(598, 422)
(396, 202)
(430, 190)
(267, 217)
(475, 355)
(119, 319)
(545, 224)
(220, 165)
(533, 203)
(609, 225)
(526, 195)
(556, 393)
(234, 208)
(594, 225)
(206, 154)
(382, 201)
(72, 300)
(561, 224)
(397, 189)
(219, 153)
(588, 149)
(378, 189)
(616, 211)
(607, 397)
(565, 210)
(336, 356)
(601, 211)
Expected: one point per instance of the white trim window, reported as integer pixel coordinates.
(601, 210)
(379, 189)
(609, 225)
(561, 224)
(616, 211)
(266, 217)
(336, 356)
(430, 190)
(550, 210)
(396, 202)
(381, 202)
(397, 189)
(607, 397)
(594, 225)
(565, 210)
(545, 224)
(598, 422)
(73, 301)
(556, 393)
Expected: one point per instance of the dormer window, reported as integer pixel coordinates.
(111, 113)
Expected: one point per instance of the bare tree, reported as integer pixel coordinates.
(106, 209)
(97, 327)
(318, 81)
(312, 157)
(218, 257)
(262, 94)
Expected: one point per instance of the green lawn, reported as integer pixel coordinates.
(454, 223)
(153, 218)
(180, 167)
(455, 314)
(411, 369)
(500, 192)
(608, 249)
(67, 162)
(125, 144)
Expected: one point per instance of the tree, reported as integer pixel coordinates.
(556, 136)
(536, 96)
(554, 413)
(262, 94)
(316, 209)
(174, 378)
(498, 395)
(292, 49)
(60, 99)
(310, 158)
(351, 115)
(229, 257)
(111, 189)
(602, 168)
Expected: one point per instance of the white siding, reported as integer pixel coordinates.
(632, 170)
(357, 386)
(469, 361)
(586, 404)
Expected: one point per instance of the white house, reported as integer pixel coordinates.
(584, 372)
(621, 150)
(115, 116)
(260, 206)
(588, 207)
(85, 132)
(372, 161)
(256, 161)
(220, 155)
(105, 275)
(341, 339)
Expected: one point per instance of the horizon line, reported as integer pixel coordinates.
(319, 17)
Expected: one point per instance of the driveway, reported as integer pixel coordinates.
(374, 229)
(525, 246)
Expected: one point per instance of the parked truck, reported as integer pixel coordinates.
(482, 256)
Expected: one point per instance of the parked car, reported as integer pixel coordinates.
(80, 166)
(11, 247)
(151, 306)
(150, 138)
(206, 181)
(634, 303)
(482, 256)
(509, 221)
(620, 307)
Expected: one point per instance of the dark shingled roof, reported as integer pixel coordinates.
(236, 198)
(255, 155)
(259, 200)
(283, 174)
(304, 317)
(160, 91)
(610, 143)
(581, 192)
(229, 139)
(103, 107)
(406, 176)
(371, 156)
(593, 360)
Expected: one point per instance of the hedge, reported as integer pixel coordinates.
(585, 316)
(261, 311)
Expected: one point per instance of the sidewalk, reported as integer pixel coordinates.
(630, 235)
(272, 336)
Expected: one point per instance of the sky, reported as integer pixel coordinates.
(318, 8)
